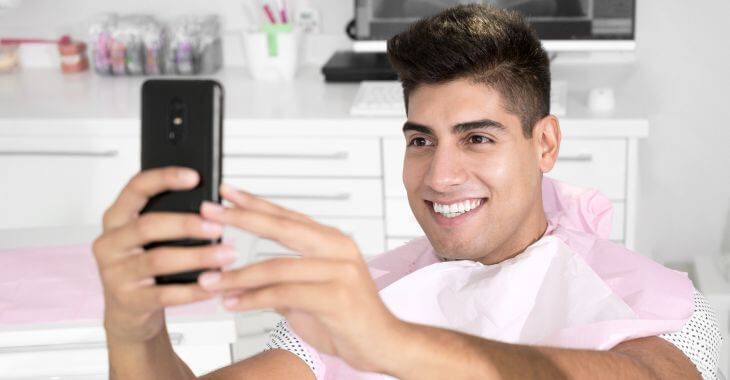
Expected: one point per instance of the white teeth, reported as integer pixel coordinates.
(456, 209)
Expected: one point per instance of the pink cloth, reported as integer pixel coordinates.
(60, 284)
(661, 298)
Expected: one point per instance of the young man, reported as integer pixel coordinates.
(479, 138)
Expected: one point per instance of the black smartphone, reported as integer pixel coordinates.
(182, 125)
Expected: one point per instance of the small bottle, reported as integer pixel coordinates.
(117, 53)
(184, 58)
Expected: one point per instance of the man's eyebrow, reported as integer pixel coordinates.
(484, 123)
(458, 128)
(411, 126)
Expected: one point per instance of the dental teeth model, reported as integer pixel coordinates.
(455, 209)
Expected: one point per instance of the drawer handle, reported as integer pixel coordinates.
(175, 339)
(314, 156)
(583, 157)
(308, 197)
(277, 254)
(107, 153)
(255, 334)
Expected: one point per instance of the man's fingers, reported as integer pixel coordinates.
(316, 298)
(152, 227)
(249, 201)
(170, 260)
(307, 238)
(154, 297)
(141, 188)
(280, 270)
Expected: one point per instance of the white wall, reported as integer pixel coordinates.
(684, 55)
(683, 59)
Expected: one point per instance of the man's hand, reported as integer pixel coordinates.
(134, 305)
(327, 294)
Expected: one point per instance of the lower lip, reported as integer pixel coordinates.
(457, 220)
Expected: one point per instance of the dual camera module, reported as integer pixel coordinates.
(177, 120)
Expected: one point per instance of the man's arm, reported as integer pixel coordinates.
(156, 359)
(429, 352)
(152, 359)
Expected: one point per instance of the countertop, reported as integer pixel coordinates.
(76, 102)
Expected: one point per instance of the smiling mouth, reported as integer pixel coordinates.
(456, 209)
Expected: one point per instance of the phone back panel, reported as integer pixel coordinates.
(182, 126)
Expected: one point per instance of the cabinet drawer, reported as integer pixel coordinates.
(596, 163)
(253, 329)
(402, 224)
(367, 233)
(394, 149)
(93, 363)
(62, 181)
(318, 197)
(77, 349)
(299, 156)
(399, 220)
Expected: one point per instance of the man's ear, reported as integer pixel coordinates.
(546, 137)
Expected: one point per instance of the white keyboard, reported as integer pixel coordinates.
(385, 98)
(379, 98)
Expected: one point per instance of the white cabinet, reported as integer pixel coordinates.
(55, 181)
(76, 350)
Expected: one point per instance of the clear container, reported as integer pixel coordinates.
(272, 53)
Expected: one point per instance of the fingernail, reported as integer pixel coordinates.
(225, 255)
(211, 227)
(226, 187)
(212, 208)
(187, 175)
(232, 190)
(230, 301)
(209, 278)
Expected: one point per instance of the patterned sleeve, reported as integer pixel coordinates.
(285, 339)
(700, 338)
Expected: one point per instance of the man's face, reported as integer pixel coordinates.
(473, 180)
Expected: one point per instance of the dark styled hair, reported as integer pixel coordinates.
(492, 46)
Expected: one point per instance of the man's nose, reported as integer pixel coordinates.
(446, 170)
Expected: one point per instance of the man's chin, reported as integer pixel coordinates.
(454, 250)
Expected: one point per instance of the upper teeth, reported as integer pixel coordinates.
(456, 209)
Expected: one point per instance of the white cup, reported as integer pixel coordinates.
(272, 53)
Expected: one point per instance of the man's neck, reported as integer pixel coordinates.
(530, 231)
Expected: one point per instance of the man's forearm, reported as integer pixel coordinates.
(434, 353)
(154, 359)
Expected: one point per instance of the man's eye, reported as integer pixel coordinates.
(419, 141)
(479, 139)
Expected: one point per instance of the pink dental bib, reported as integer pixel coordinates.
(572, 288)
